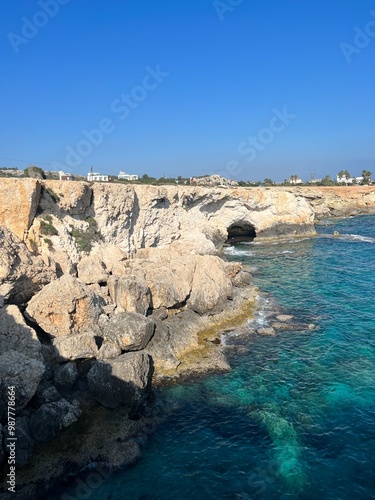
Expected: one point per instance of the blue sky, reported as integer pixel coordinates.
(219, 71)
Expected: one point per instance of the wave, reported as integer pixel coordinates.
(236, 251)
(349, 237)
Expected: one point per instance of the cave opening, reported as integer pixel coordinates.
(240, 232)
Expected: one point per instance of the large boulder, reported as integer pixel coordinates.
(66, 376)
(79, 346)
(130, 292)
(130, 331)
(91, 269)
(211, 286)
(65, 307)
(160, 349)
(22, 373)
(22, 274)
(50, 418)
(16, 335)
(122, 381)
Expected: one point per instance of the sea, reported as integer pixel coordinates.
(295, 418)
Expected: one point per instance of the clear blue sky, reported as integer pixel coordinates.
(228, 69)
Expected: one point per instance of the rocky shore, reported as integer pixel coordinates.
(107, 291)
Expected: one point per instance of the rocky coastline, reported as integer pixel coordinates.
(107, 291)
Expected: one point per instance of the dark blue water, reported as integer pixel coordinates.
(295, 419)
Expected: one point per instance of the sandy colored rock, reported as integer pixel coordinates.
(130, 331)
(65, 307)
(19, 200)
(15, 335)
(211, 286)
(130, 292)
(78, 346)
(91, 269)
(21, 273)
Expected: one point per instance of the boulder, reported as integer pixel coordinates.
(25, 442)
(45, 393)
(79, 346)
(130, 292)
(15, 335)
(211, 286)
(91, 269)
(66, 376)
(130, 331)
(22, 274)
(50, 418)
(122, 381)
(108, 350)
(65, 307)
(160, 350)
(112, 257)
(21, 372)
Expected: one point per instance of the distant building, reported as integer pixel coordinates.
(350, 180)
(294, 180)
(128, 177)
(95, 176)
(63, 176)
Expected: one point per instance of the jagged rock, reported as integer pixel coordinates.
(242, 279)
(45, 393)
(160, 350)
(16, 335)
(21, 274)
(211, 287)
(130, 331)
(232, 269)
(66, 376)
(284, 317)
(91, 269)
(25, 442)
(130, 292)
(65, 307)
(266, 331)
(50, 418)
(79, 346)
(21, 372)
(109, 350)
(18, 210)
(121, 381)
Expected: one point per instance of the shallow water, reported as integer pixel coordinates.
(295, 419)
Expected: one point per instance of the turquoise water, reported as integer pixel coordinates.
(295, 419)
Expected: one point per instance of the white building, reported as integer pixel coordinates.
(63, 176)
(127, 177)
(351, 180)
(95, 176)
(294, 180)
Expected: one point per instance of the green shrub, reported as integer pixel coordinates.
(55, 197)
(49, 243)
(47, 228)
(85, 238)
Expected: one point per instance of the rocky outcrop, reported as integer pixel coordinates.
(120, 381)
(22, 373)
(129, 331)
(65, 307)
(131, 293)
(22, 274)
(18, 210)
(50, 418)
(15, 335)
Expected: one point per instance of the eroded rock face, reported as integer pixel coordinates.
(65, 307)
(15, 335)
(211, 286)
(129, 331)
(21, 372)
(19, 200)
(130, 292)
(21, 274)
(78, 346)
(91, 269)
(121, 381)
(52, 417)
